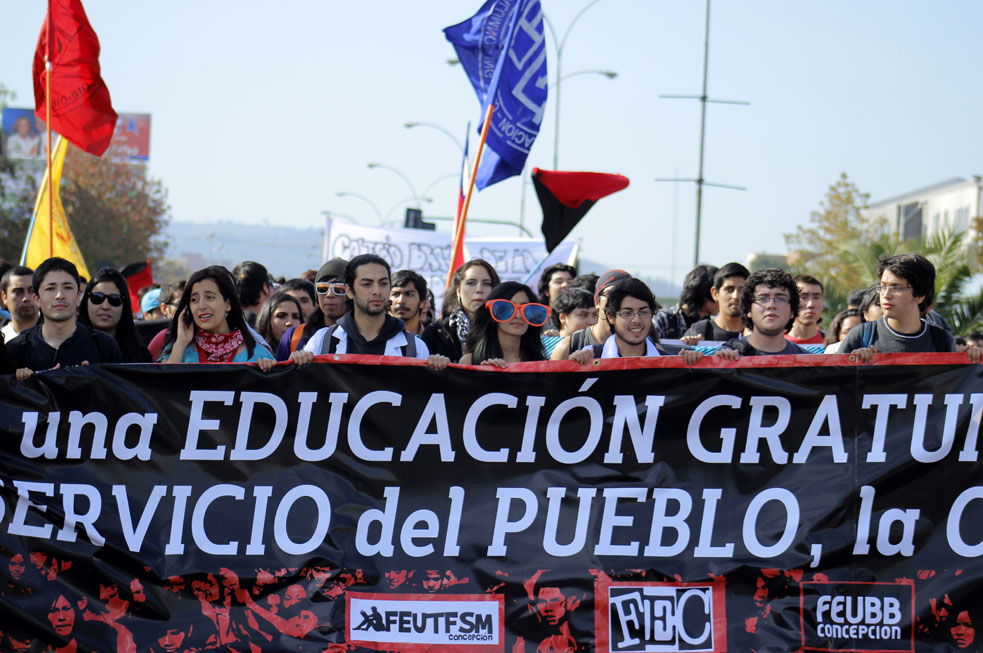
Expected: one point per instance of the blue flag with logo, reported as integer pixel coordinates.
(503, 51)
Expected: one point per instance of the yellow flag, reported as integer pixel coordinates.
(38, 246)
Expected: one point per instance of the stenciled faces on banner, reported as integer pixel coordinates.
(429, 252)
(24, 136)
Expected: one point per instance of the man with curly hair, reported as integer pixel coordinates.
(769, 304)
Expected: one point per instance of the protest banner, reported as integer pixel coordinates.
(775, 503)
(429, 252)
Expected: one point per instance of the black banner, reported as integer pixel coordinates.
(784, 504)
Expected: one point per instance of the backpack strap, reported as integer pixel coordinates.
(577, 341)
(867, 330)
(598, 350)
(295, 338)
(327, 345)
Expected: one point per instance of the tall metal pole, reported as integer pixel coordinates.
(703, 128)
(559, 59)
(704, 99)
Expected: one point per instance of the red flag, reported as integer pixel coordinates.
(138, 276)
(567, 196)
(81, 110)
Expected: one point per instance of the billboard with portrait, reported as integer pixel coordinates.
(24, 135)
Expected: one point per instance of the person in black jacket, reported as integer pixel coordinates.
(59, 341)
(6, 362)
(470, 286)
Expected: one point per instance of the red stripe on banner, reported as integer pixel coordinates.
(643, 362)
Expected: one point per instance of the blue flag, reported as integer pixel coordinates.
(503, 51)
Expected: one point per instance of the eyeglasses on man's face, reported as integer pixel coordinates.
(764, 300)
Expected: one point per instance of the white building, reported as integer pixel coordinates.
(950, 204)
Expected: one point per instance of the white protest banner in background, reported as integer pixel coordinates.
(428, 252)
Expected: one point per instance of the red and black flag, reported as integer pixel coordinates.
(567, 196)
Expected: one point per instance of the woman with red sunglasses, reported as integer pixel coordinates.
(507, 328)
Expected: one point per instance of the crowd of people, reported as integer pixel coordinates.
(54, 318)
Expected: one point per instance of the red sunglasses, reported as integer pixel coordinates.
(503, 310)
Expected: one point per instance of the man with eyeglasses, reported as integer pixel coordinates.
(600, 331)
(769, 304)
(329, 288)
(907, 290)
(629, 310)
(59, 341)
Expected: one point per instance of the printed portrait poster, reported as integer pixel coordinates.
(23, 134)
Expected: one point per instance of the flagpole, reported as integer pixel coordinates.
(47, 124)
(458, 241)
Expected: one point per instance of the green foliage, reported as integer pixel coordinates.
(816, 249)
(116, 211)
(841, 249)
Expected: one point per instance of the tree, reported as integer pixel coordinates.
(116, 211)
(17, 192)
(816, 249)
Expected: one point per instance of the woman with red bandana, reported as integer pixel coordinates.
(209, 325)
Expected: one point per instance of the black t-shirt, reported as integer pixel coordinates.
(30, 350)
(744, 348)
(707, 329)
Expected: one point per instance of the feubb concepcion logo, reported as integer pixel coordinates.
(661, 617)
(861, 616)
(424, 620)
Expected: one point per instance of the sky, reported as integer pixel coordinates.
(263, 112)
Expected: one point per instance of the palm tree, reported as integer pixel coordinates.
(953, 273)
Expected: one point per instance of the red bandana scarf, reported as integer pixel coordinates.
(217, 347)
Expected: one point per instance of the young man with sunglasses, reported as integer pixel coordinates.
(769, 304)
(332, 303)
(907, 290)
(367, 328)
(59, 341)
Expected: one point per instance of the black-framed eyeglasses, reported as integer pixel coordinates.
(97, 298)
(764, 300)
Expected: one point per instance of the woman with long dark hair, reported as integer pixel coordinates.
(209, 325)
(278, 313)
(507, 328)
(470, 286)
(106, 307)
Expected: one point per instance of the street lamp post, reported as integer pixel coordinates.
(442, 130)
(365, 199)
(396, 171)
(559, 44)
